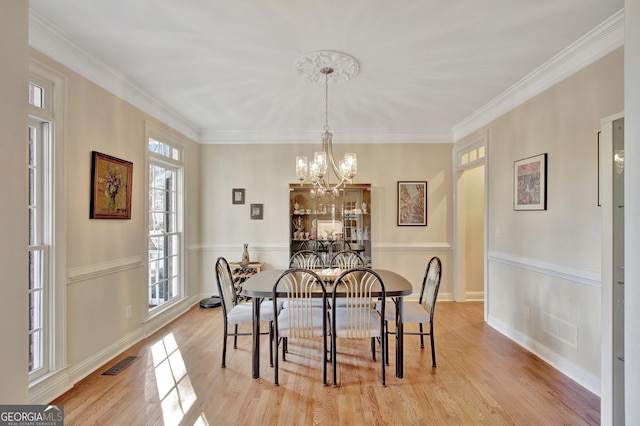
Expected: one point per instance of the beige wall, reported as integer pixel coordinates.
(14, 356)
(544, 265)
(265, 171)
(106, 258)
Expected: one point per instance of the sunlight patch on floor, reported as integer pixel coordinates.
(175, 390)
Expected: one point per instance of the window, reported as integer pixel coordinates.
(471, 155)
(40, 212)
(47, 228)
(39, 238)
(165, 223)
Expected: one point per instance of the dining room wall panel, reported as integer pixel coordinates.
(265, 172)
(107, 297)
(544, 265)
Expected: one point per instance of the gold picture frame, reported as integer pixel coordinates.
(110, 187)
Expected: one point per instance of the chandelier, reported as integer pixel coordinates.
(339, 67)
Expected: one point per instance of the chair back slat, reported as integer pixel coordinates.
(362, 287)
(431, 284)
(346, 259)
(306, 259)
(299, 287)
(226, 287)
(313, 245)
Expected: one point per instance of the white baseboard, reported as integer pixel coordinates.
(56, 384)
(584, 378)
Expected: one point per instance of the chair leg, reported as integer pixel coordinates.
(373, 349)
(386, 347)
(235, 337)
(274, 345)
(421, 337)
(284, 347)
(384, 381)
(433, 348)
(271, 343)
(333, 361)
(224, 346)
(324, 360)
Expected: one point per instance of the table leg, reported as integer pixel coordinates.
(399, 339)
(255, 348)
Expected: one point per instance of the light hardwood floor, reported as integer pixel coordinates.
(482, 378)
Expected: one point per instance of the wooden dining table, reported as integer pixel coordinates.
(260, 286)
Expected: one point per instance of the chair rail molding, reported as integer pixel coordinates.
(422, 246)
(84, 273)
(580, 276)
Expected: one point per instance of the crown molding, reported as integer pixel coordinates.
(48, 40)
(297, 136)
(602, 40)
(597, 43)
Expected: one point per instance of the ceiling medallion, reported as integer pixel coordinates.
(322, 66)
(344, 66)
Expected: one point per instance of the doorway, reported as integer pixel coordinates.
(611, 199)
(470, 222)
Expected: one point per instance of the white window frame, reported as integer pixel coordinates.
(177, 165)
(39, 243)
(53, 244)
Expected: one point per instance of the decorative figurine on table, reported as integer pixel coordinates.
(245, 256)
(364, 208)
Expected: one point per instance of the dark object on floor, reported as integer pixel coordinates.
(211, 302)
(120, 366)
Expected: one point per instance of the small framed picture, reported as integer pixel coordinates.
(412, 203)
(530, 183)
(237, 195)
(256, 211)
(110, 187)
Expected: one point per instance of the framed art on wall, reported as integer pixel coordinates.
(110, 187)
(256, 211)
(237, 196)
(412, 203)
(530, 183)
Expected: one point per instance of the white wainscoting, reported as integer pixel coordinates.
(586, 379)
(89, 272)
(580, 276)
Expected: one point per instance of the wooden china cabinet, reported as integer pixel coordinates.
(327, 224)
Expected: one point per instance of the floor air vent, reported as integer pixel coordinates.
(120, 366)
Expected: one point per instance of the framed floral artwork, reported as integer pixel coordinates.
(530, 183)
(110, 187)
(412, 203)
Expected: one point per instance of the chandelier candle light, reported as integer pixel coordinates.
(340, 67)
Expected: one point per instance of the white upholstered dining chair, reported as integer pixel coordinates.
(421, 312)
(356, 316)
(235, 313)
(300, 317)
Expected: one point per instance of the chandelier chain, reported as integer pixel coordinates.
(316, 172)
(326, 102)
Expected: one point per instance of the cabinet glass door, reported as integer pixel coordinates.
(328, 224)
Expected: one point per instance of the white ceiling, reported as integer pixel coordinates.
(224, 70)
